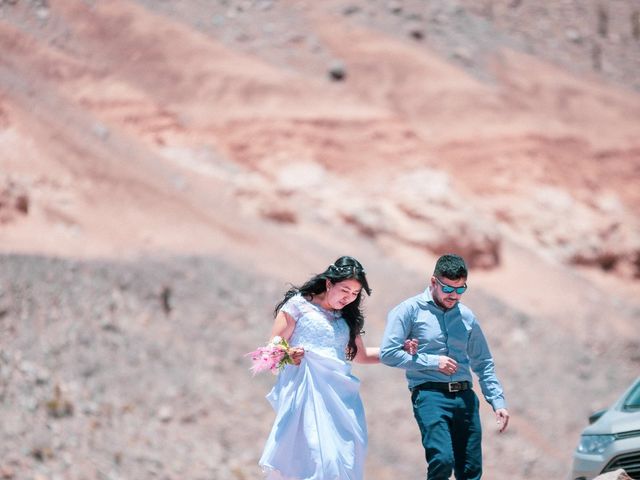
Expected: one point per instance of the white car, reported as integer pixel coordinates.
(612, 441)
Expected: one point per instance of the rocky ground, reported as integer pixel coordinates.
(129, 370)
(136, 370)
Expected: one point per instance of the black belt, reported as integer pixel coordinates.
(450, 387)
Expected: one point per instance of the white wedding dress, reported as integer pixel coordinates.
(320, 431)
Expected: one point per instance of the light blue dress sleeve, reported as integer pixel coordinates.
(292, 307)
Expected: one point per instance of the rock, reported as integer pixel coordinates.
(6, 472)
(463, 54)
(165, 299)
(22, 203)
(14, 201)
(300, 176)
(337, 71)
(42, 13)
(350, 10)
(573, 35)
(370, 220)
(165, 413)
(41, 449)
(596, 232)
(416, 32)
(432, 222)
(34, 373)
(421, 223)
(279, 213)
(395, 7)
(101, 131)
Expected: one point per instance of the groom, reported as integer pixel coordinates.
(451, 344)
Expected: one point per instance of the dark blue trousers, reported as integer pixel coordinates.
(451, 433)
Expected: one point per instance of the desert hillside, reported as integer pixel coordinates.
(167, 168)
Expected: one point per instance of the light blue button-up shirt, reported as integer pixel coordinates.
(454, 333)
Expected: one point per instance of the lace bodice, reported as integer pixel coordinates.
(317, 329)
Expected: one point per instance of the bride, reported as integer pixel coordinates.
(320, 432)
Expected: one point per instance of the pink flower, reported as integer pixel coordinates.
(273, 357)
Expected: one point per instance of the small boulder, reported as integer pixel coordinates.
(337, 71)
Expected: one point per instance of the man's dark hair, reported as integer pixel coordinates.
(451, 266)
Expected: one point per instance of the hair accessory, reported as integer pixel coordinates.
(354, 269)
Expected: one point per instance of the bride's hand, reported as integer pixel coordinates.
(411, 346)
(296, 354)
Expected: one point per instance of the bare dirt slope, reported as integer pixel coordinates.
(166, 168)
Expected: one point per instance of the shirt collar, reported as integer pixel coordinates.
(427, 297)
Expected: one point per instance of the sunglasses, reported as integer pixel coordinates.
(449, 289)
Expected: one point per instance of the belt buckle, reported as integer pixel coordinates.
(454, 387)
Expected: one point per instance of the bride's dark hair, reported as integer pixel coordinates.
(344, 268)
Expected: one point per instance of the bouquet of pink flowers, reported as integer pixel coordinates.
(273, 357)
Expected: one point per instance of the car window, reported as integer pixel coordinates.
(633, 399)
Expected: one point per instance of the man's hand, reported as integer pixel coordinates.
(447, 365)
(411, 346)
(502, 419)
